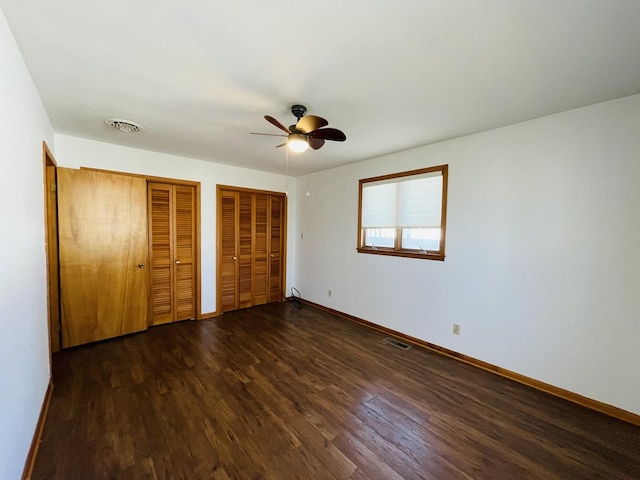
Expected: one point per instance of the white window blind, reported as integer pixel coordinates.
(379, 205)
(406, 202)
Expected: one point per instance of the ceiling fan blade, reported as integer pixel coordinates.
(328, 134)
(310, 123)
(268, 134)
(275, 122)
(316, 143)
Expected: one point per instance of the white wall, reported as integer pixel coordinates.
(543, 257)
(75, 152)
(24, 342)
(543, 250)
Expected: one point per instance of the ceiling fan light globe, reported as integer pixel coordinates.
(297, 143)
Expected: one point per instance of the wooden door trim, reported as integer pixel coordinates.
(250, 190)
(198, 249)
(49, 170)
(149, 178)
(283, 254)
(198, 273)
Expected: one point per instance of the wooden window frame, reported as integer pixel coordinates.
(397, 249)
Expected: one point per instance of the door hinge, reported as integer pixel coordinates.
(53, 187)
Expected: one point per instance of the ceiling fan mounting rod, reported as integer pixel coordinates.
(298, 111)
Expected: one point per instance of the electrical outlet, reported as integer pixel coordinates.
(329, 292)
(456, 329)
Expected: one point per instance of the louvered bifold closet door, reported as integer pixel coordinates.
(251, 226)
(276, 248)
(261, 250)
(184, 252)
(245, 250)
(228, 254)
(160, 202)
(172, 243)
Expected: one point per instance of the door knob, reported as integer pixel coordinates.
(235, 258)
(178, 262)
(272, 255)
(141, 265)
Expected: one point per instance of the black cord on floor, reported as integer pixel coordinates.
(294, 299)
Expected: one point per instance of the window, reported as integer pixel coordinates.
(404, 214)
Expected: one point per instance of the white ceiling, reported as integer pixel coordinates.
(200, 75)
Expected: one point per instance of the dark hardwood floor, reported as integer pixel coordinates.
(274, 392)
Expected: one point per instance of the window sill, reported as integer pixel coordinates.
(402, 253)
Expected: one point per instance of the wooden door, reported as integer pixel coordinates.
(245, 249)
(276, 248)
(184, 248)
(102, 226)
(172, 246)
(260, 272)
(160, 203)
(228, 214)
(250, 248)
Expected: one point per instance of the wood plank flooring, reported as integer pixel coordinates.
(273, 392)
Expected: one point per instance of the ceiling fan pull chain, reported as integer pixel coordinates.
(286, 176)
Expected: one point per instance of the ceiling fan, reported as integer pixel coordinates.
(307, 132)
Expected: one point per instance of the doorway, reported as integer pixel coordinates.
(51, 248)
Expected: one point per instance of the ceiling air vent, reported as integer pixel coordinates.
(124, 125)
